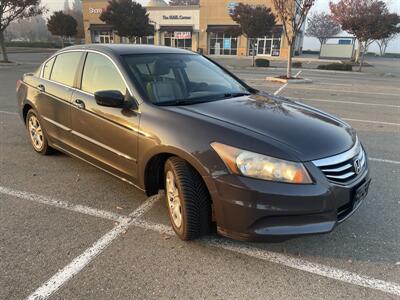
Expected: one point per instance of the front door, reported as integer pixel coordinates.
(106, 136)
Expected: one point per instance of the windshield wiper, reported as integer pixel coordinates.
(238, 94)
(183, 102)
(202, 99)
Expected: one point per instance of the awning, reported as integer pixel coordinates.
(277, 31)
(222, 28)
(176, 28)
(100, 27)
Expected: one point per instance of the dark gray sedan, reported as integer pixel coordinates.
(261, 167)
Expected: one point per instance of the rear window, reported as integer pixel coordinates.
(47, 68)
(65, 67)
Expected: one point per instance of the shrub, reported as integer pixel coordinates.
(262, 62)
(392, 55)
(36, 44)
(336, 67)
(297, 64)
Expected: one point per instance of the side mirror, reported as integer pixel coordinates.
(109, 98)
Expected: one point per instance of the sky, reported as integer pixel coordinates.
(309, 43)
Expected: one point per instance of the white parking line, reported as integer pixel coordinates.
(307, 266)
(8, 112)
(65, 274)
(395, 162)
(285, 260)
(372, 122)
(344, 91)
(80, 262)
(62, 204)
(280, 89)
(346, 102)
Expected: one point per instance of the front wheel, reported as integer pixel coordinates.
(187, 200)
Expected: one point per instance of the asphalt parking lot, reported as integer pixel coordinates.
(71, 231)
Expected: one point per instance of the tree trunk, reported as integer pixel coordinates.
(62, 42)
(3, 46)
(362, 57)
(289, 62)
(380, 45)
(384, 48)
(320, 47)
(358, 52)
(253, 52)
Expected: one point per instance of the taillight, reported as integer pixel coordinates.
(18, 84)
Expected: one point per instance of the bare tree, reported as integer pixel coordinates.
(32, 29)
(12, 10)
(292, 14)
(77, 13)
(384, 43)
(322, 26)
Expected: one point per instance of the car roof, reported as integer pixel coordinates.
(123, 49)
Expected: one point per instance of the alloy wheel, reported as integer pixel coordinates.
(35, 133)
(174, 199)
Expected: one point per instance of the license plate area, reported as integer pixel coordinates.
(360, 193)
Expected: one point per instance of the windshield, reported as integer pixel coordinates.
(173, 79)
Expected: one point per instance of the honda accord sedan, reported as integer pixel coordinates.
(260, 167)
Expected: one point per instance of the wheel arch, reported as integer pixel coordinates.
(154, 163)
(27, 106)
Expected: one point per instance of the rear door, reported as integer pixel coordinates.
(107, 136)
(56, 88)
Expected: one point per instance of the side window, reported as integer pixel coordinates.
(47, 68)
(100, 74)
(65, 66)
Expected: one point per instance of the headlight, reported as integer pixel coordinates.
(260, 166)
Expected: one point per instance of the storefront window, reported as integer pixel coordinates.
(268, 45)
(145, 40)
(103, 37)
(222, 44)
(181, 40)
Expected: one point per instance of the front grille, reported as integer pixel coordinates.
(344, 167)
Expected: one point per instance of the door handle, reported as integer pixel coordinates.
(41, 88)
(79, 103)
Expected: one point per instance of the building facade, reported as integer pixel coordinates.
(207, 28)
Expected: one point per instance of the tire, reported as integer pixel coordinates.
(37, 134)
(194, 200)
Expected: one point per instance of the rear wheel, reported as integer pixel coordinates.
(187, 200)
(36, 133)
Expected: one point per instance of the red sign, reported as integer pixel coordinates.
(180, 35)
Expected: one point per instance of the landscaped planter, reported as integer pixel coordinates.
(284, 79)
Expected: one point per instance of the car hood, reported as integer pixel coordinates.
(310, 133)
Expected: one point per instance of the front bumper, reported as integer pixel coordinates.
(257, 210)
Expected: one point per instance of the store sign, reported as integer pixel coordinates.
(176, 17)
(232, 7)
(95, 11)
(181, 35)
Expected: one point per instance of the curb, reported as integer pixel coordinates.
(11, 64)
(303, 69)
(291, 81)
